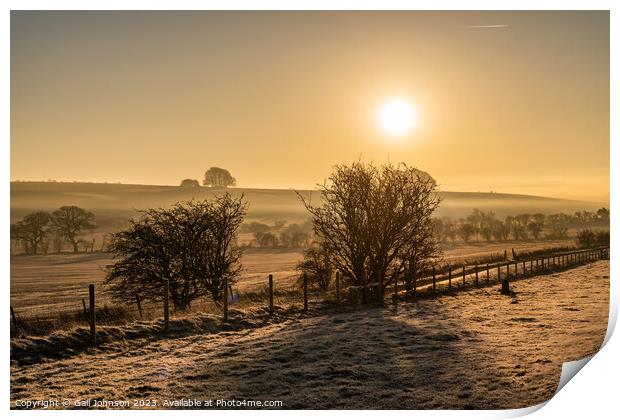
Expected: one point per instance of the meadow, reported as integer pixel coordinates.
(473, 350)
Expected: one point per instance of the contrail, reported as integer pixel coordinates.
(484, 26)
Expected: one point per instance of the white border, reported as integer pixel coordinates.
(592, 394)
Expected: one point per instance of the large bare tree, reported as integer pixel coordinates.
(69, 223)
(192, 245)
(374, 222)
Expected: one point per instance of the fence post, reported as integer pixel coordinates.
(449, 277)
(476, 268)
(531, 266)
(506, 282)
(13, 317)
(463, 275)
(434, 283)
(488, 277)
(516, 270)
(523, 268)
(225, 299)
(93, 325)
(499, 272)
(305, 293)
(270, 294)
(166, 307)
(338, 287)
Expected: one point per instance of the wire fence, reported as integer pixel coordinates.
(276, 294)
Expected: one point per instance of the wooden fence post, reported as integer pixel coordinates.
(225, 299)
(463, 275)
(449, 277)
(338, 287)
(488, 277)
(270, 294)
(166, 307)
(13, 317)
(499, 272)
(506, 282)
(434, 282)
(523, 268)
(476, 268)
(305, 293)
(93, 321)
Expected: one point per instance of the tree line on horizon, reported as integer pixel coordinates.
(38, 230)
(214, 177)
(481, 225)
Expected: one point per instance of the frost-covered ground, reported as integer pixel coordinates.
(474, 349)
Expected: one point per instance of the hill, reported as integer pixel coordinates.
(115, 203)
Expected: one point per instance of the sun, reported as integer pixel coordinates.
(397, 117)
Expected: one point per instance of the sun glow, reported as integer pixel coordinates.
(397, 117)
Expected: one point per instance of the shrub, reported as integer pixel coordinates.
(376, 221)
(192, 245)
(317, 267)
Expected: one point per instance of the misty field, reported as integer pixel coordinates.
(474, 349)
(114, 204)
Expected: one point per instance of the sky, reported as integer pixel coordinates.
(514, 102)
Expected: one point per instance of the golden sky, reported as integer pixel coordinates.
(504, 101)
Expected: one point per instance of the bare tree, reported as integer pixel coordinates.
(466, 230)
(192, 245)
(70, 221)
(31, 231)
(375, 221)
(266, 239)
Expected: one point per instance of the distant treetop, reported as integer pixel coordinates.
(218, 177)
(190, 183)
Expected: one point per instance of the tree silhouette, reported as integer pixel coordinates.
(376, 221)
(70, 221)
(192, 245)
(31, 231)
(218, 177)
(190, 183)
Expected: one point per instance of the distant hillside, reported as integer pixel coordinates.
(115, 203)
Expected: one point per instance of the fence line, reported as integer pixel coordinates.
(411, 283)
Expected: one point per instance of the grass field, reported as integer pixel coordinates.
(474, 349)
